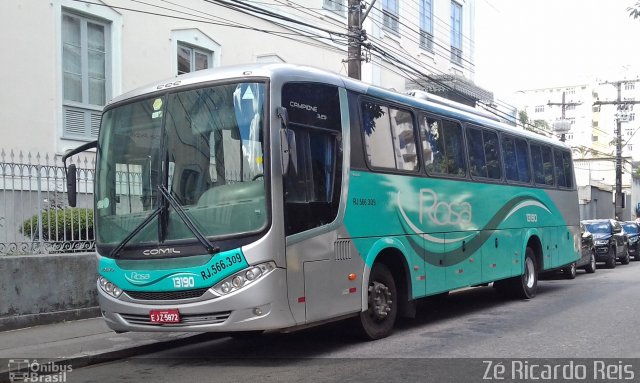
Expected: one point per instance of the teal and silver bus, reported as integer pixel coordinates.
(275, 197)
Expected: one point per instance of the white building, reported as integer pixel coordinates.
(70, 57)
(592, 126)
(592, 112)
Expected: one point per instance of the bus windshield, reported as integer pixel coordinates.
(203, 146)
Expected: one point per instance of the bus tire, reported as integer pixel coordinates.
(525, 286)
(377, 322)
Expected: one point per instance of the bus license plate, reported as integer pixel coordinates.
(164, 316)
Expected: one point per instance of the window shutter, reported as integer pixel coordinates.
(74, 122)
(81, 123)
(95, 123)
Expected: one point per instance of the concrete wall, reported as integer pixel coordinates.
(595, 203)
(40, 289)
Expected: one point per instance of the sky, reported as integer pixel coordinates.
(530, 44)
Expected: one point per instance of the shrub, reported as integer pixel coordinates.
(61, 225)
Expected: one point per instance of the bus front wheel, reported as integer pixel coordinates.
(377, 322)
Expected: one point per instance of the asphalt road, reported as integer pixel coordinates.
(594, 316)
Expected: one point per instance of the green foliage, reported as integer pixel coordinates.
(523, 117)
(541, 124)
(61, 225)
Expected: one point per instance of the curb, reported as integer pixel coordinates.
(80, 361)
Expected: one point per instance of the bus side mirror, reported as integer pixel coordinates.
(71, 170)
(287, 143)
(71, 185)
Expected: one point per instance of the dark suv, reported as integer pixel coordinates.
(632, 230)
(609, 240)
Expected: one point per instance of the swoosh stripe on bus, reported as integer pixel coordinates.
(456, 256)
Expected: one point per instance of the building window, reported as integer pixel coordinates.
(390, 15)
(85, 51)
(193, 51)
(335, 6)
(191, 59)
(426, 25)
(570, 91)
(594, 138)
(630, 146)
(595, 124)
(629, 86)
(632, 116)
(456, 33)
(571, 107)
(539, 109)
(596, 109)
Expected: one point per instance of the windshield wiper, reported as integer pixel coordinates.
(187, 221)
(135, 231)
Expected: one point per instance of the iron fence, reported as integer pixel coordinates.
(35, 217)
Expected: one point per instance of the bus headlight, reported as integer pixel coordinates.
(243, 278)
(109, 287)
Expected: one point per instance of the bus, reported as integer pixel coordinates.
(275, 197)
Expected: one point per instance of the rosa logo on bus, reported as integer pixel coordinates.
(441, 212)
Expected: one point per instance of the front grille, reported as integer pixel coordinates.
(166, 295)
(185, 319)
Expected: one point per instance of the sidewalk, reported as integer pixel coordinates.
(83, 342)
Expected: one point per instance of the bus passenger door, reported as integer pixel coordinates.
(318, 264)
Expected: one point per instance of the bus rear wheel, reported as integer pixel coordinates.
(377, 322)
(526, 285)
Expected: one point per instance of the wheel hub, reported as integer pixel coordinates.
(379, 300)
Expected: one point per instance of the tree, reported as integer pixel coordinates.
(523, 117)
(634, 11)
(541, 124)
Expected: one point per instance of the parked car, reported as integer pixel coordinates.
(587, 259)
(632, 230)
(609, 241)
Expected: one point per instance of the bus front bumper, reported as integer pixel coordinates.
(262, 305)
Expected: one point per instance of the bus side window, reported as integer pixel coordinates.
(484, 153)
(542, 164)
(557, 162)
(443, 146)
(568, 168)
(389, 137)
(516, 159)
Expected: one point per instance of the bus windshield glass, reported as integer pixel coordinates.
(204, 146)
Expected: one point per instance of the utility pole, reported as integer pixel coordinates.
(357, 36)
(622, 105)
(354, 52)
(564, 105)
